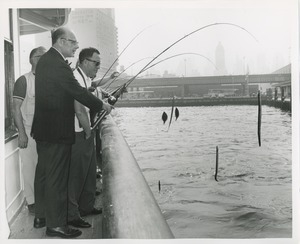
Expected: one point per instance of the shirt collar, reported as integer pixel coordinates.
(85, 76)
(60, 53)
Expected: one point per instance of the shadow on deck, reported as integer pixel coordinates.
(22, 226)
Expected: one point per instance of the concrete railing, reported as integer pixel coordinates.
(130, 210)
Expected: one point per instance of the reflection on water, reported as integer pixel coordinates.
(253, 198)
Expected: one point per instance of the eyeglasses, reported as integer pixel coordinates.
(70, 40)
(97, 63)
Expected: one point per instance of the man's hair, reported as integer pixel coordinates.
(87, 53)
(34, 51)
(57, 34)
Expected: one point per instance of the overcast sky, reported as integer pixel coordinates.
(270, 24)
(162, 23)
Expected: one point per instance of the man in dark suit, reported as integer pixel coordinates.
(53, 129)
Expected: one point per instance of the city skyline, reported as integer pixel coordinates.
(264, 49)
(262, 46)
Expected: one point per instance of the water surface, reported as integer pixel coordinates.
(253, 195)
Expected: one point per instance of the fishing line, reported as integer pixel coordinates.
(123, 52)
(180, 54)
(117, 92)
(173, 102)
(166, 49)
(116, 78)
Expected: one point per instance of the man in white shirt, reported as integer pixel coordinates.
(82, 178)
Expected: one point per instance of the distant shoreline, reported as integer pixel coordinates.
(181, 102)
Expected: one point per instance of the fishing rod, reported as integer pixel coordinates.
(144, 69)
(125, 70)
(165, 60)
(180, 55)
(122, 53)
(191, 33)
(117, 93)
(99, 82)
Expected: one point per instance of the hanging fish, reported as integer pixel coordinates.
(176, 113)
(164, 117)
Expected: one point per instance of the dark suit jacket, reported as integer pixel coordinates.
(55, 91)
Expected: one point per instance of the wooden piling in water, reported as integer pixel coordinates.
(217, 162)
(259, 119)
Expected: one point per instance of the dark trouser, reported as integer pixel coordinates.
(98, 148)
(51, 183)
(82, 179)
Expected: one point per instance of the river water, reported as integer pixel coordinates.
(253, 195)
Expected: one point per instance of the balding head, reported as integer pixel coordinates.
(64, 40)
(60, 32)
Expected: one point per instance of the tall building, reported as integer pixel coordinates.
(96, 28)
(220, 60)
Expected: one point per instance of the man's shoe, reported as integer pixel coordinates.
(31, 208)
(79, 223)
(39, 222)
(63, 232)
(94, 211)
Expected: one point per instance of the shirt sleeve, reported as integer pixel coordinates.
(20, 88)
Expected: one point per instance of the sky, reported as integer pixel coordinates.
(264, 49)
(263, 46)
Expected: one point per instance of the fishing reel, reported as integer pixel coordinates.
(111, 100)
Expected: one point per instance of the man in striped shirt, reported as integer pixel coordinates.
(23, 106)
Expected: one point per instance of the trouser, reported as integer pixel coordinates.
(98, 148)
(51, 183)
(29, 161)
(82, 179)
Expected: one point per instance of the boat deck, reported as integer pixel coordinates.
(22, 226)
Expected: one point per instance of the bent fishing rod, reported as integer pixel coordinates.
(177, 56)
(166, 49)
(122, 53)
(151, 66)
(124, 71)
(117, 93)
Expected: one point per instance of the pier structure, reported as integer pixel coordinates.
(129, 207)
(193, 101)
(233, 85)
(130, 210)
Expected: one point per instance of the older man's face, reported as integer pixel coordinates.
(70, 45)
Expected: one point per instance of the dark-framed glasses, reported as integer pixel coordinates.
(97, 63)
(70, 40)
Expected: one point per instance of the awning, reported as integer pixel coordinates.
(38, 20)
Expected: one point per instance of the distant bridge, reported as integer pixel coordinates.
(207, 80)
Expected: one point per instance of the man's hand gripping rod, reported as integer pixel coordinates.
(112, 99)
